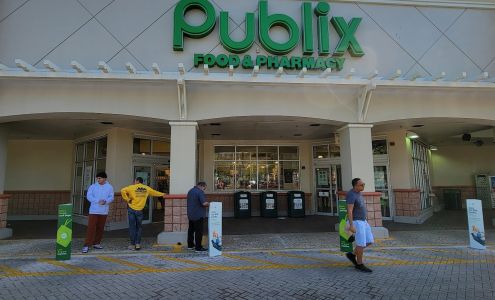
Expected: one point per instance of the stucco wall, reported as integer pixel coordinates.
(457, 165)
(44, 165)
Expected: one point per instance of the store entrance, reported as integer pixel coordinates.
(328, 181)
(157, 176)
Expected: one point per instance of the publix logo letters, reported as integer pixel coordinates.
(304, 35)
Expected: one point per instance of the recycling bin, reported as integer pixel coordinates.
(295, 205)
(268, 204)
(242, 204)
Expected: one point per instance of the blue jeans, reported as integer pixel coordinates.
(135, 221)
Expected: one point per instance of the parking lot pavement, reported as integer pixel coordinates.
(436, 272)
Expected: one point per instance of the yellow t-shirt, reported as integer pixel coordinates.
(137, 194)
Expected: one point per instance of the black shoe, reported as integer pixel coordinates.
(352, 258)
(201, 249)
(363, 268)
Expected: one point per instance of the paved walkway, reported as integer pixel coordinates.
(399, 273)
(408, 265)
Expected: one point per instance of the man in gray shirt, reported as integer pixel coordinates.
(356, 214)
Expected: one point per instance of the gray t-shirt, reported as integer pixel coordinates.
(356, 198)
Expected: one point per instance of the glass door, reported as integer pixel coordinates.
(161, 183)
(145, 173)
(382, 186)
(328, 182)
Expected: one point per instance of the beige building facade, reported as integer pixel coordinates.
(125, 87)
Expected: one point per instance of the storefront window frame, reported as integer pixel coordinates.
(257, 162)
(78, 198)
(151, 139)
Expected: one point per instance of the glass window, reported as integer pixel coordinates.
(246, 153)
(268, 175)
(102, 148)
(161, 148)
(90, 150)
(246, 175)
(421, 170)
(101, 165)
(141, 146)
(255, 167)
(79, 152)
(267, 152)
(289, 153)
(224, 175)
(334, 150)
(320, 151)
(290, 175)
(379, 146)
(224, 152)
(84, 172)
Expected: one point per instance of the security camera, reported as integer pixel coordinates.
(466, 137)
(478, 143)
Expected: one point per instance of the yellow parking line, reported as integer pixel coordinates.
(302, 257)
(9, 271)
(128, 263)
(260, 261)
(183, 260)
(76, 269)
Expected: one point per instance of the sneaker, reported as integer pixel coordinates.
(352, 258)
(138, 247)
(98, 246)
(190, 248)
(85, 249)
(201, 249)
(131, 247)
(363, 268)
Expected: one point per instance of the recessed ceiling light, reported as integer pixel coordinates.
(314, 125)
(418, 125)
(215, 124)
(297, 134)
(106, 123)
(215, 134)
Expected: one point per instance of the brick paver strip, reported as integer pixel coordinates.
(408, 273)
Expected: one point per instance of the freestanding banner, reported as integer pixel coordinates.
(475, 223)
(215, 229)
(64, 232)
(345, 245)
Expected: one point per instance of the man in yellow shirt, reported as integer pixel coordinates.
(136, 196)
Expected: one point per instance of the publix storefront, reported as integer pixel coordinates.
(249, 96)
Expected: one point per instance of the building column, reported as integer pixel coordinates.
(357, 161)
(356, 155)
(183, 162)
(119, 171)
(4, 199)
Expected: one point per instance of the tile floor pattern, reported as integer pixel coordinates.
(437, 272)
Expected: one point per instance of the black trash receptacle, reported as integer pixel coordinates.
(242, 204)
(295, 204)
(268, 204)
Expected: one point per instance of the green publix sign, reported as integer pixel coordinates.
(266, 21)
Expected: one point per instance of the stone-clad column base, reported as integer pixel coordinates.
(374, 213)
(4, 205)
(175, 221)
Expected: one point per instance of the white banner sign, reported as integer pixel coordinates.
(475, 224)
(215, 229)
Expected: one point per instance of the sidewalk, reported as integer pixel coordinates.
(254, 242)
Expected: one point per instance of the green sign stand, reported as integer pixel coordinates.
(64, 232)
(345, 246)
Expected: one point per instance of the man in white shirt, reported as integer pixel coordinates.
(100, 194)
